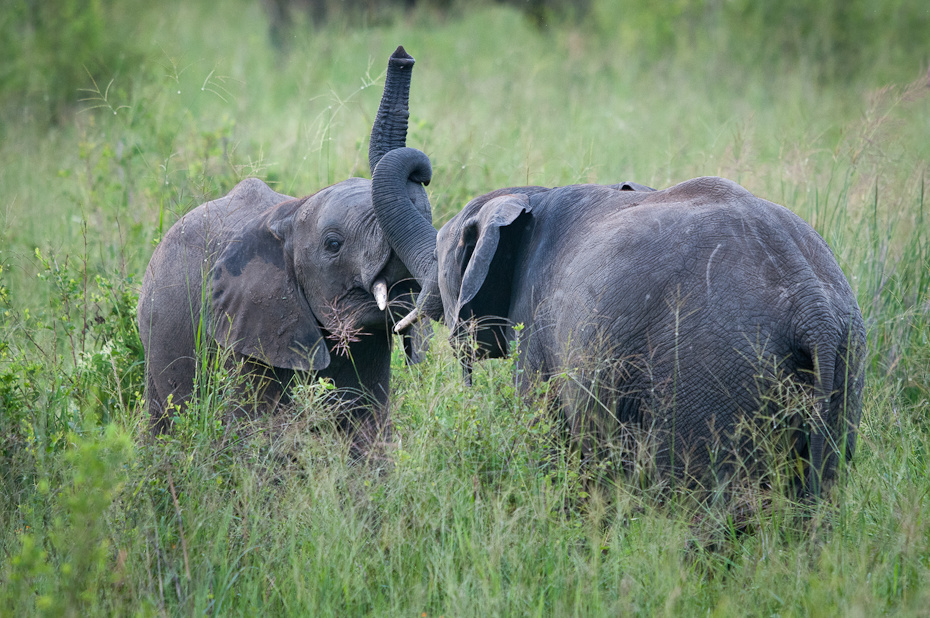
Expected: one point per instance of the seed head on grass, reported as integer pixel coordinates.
(342, 324)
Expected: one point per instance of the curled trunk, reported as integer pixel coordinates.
(398, 198)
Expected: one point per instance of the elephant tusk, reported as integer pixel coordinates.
(409, 319)
(379, 290)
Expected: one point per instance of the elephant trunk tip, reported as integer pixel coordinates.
(401, 57)
(407, 321)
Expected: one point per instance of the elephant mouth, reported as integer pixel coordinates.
(344, 324)
(360, 310)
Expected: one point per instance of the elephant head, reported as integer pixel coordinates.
(307, 284)
(301, 269)
(452, 265)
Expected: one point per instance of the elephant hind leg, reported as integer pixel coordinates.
(610, 419)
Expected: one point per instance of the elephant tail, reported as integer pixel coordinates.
(838, 362)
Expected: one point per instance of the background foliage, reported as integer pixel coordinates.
(116, 117)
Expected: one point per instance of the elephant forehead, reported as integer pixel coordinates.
(449, 235)
(443, 246)
(345, 209)
(347, 204)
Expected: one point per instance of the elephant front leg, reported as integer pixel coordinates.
(362, 378)
(256, 389)
(602, 404)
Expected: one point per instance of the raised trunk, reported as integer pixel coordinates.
(390, 127)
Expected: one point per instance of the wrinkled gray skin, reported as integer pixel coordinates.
(286, 285)
(675, 312)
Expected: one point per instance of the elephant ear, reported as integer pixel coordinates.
(485, 256)
(257, 307)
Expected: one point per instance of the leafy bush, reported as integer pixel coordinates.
(62, 564)
(64, 367)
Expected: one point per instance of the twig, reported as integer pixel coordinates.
(84, 283)
(158, 552)
(177, 508)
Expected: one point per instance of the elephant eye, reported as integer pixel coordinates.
(332, 244)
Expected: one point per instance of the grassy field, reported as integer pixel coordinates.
(96, 517)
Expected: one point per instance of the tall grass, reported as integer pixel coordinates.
(483, 510)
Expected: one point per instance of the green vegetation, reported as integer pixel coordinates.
(483, 511)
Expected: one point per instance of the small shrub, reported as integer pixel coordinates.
(62, 566)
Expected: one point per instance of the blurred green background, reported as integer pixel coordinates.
(52, 49)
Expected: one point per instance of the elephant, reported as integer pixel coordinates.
(285, 288)
(679, 315)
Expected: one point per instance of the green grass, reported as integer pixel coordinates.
(483, 511)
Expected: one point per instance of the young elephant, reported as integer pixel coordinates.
(687, 315)
(286, 285)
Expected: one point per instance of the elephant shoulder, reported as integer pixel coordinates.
(250, 197)
(703, 190)
(216, 219)
(257, 191)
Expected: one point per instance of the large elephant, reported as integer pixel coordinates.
(688, 315)
(286, 286)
